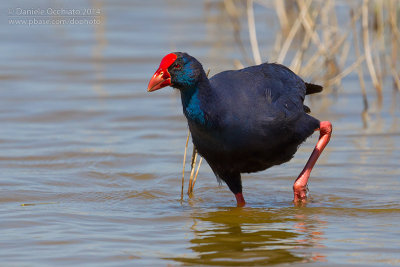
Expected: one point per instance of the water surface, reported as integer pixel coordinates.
(90, 162)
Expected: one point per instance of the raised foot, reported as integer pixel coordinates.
(300, 185)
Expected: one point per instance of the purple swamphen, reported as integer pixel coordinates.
(245, 120)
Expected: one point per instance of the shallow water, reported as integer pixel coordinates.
(91, 163)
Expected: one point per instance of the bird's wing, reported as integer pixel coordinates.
(265, 92)
(285, 90)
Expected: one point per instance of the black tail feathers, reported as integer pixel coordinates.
(313, 88)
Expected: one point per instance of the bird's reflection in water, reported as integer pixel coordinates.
(312, 234)
(249, 236)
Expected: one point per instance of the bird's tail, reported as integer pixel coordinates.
(313, 88)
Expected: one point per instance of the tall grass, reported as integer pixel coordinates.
(321, 40)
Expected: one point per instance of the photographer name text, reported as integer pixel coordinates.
(54, 12)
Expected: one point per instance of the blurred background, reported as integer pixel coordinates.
(91, 163)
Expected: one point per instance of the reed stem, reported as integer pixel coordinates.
(184, 163)
(367, 50)
(253, 33)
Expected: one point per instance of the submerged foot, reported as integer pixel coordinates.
(240, 200)
(300, 195)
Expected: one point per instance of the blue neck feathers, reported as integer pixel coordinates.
(192, 105)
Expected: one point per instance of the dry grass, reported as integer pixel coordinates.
(320, 40)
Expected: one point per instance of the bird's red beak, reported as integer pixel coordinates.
(161, 77)
(159, 80)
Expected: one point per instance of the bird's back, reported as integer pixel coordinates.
(267, 90)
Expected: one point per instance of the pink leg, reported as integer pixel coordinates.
(300, 185)
(240, 200)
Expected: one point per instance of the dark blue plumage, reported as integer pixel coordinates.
(245, 120)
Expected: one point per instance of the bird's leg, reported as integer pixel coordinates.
(240, 199)
(300, 185)
(234, 182)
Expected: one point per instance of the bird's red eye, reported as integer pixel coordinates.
(177, 66)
